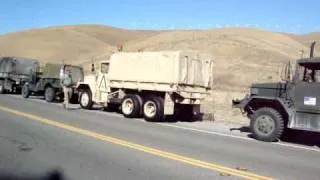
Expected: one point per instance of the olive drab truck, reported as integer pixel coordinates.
(14, 72)
(152, 85)
(47, 82)
(294, 103)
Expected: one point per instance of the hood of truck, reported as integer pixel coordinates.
(268, 89)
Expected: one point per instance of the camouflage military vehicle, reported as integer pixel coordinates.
(150, 84)
(293, 103)
(47, 82)
(14, 72)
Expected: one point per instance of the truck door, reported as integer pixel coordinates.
(306, 91)
(306, 98)
(102, 83)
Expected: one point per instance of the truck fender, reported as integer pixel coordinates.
(81, 86)
(253, 103)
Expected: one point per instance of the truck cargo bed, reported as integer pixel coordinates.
(165, 70)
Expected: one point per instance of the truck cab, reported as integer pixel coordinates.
(94, 87)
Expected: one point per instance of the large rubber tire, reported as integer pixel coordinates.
(131, 106)
(49, 94)
(259, 124)
(86, 99)
(25, 91)
(157, 104)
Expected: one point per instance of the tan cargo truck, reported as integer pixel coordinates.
(150, 84)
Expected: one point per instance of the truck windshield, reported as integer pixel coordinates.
(76, 73)
(309, 74)
(104, 67)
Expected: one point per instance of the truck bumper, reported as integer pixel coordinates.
(240, 103)
(236, 103)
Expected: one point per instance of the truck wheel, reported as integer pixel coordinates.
(25, 92)
(267, 124)
(49, 94)
(153, 109)
(1, 88)
(86, 99)
(131, 106)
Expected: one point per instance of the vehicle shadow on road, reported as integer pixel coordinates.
(175, 119)
(50, 175)
(291, 136)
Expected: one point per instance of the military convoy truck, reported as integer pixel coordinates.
(47, 82)
(292, 104)
(14, 72)
(150, 84)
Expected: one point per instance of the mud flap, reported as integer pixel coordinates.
(168, 105)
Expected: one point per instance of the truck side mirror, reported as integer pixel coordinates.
(92, 67)
(286, 72)
(312, 49)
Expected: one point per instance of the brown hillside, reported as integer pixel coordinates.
(71, 43)
(308, 38)
(111, 35)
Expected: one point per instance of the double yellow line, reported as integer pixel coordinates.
(156, 152)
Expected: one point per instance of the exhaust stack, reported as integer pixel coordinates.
(312, 49)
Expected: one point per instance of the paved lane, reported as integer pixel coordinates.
(102, 159)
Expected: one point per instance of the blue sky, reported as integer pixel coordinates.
(284, 15)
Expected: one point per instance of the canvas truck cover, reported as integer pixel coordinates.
(17, 66)
(174, 67)
(51, 70)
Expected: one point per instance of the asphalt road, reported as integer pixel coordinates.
(36, 137)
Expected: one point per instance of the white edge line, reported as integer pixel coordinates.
(239, 137)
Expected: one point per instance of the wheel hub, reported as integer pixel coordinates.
(149, 109)
(127, 106)
(84, 99)
(49, 93)
(265, 125)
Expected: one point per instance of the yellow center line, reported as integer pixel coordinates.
(156, 152)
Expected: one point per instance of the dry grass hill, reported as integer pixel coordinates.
(242, 55)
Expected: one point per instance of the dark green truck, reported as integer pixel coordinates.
(47, 82)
